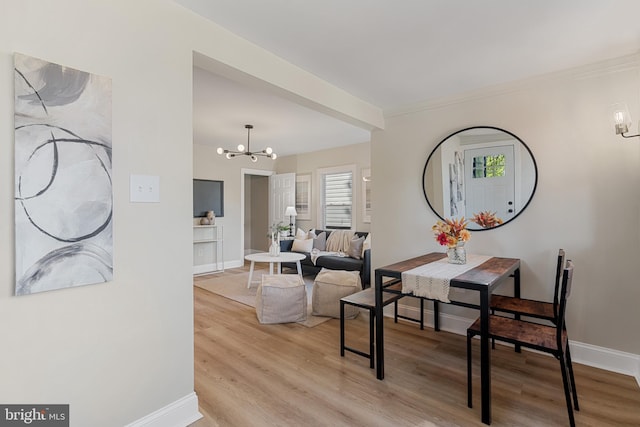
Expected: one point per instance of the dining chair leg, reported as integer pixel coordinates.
(469, 388)
(573, 380)
(372, 352)
(342, 328)
(395, 311)
(436, 315)
(567, 391)
(493, 340)
(421, 314)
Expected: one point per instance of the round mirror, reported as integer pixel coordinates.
(485, 174)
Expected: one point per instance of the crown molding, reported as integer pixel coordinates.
(598, 69)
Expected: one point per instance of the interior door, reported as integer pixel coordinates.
(490, 181)
(282, 191)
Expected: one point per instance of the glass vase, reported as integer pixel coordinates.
(457, 254)
(274, 249)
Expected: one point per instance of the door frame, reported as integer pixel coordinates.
(502, 212)
(244, 172)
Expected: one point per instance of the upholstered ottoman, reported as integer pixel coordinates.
(331, 285)
(281, 298)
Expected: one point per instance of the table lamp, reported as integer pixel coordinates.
(290, 212)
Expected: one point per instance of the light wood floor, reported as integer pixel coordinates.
(247, 374)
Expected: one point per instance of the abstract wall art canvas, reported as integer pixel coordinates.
(63, 186)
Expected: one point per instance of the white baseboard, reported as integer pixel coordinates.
(448, 322)
(213, 268)
(182, 412)
(237, 263)
(586, 354)
(205, 268)
(606, 358)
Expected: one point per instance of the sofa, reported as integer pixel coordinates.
(332, 262)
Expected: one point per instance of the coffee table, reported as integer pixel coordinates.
(265, 257)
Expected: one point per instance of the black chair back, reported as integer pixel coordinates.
(567, 279)
(556, 292)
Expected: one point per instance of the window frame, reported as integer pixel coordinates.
(321, 173)
(303, 185)
(366, 195)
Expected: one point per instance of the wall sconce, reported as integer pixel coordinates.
(290, 211)
(622, 120)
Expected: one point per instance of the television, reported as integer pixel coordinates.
(208, 195)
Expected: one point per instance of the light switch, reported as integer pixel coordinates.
(144, 188)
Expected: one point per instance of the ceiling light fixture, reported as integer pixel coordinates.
(267, 152)
(622, 120)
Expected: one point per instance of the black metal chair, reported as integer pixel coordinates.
(548, 339)
(528, 307)
(366, 299)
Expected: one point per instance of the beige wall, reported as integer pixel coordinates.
(121, 350)
(118, 351)
(309, 163)
(587, 201)
(207, 164)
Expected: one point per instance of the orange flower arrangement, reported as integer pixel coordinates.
(450, 232)
(486, 219)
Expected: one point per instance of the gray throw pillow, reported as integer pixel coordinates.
(355, 247)
(320, 241)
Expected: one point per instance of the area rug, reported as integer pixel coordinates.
(235, 288)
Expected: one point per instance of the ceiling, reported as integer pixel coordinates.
(222, 107)
(396, 54)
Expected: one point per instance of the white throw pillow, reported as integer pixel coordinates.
(302, 245)
(301, 234)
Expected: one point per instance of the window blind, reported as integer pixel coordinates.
(338, 200)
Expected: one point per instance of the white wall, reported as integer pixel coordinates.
(587, 200)
(119, 351)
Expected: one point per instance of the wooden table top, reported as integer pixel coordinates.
(487, 273)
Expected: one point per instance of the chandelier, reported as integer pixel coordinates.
(267, 152)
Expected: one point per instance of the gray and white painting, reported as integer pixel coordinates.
(63, 188)
(456, 185)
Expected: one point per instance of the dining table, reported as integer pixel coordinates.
(483, 278)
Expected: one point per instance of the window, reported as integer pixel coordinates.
(489, 166)
(336, 201)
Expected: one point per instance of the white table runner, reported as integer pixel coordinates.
(432, 280)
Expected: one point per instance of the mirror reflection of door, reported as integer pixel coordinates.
(505, 171)
(489, 181)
